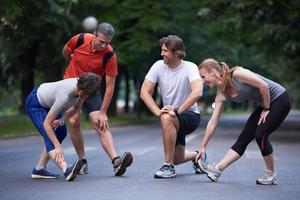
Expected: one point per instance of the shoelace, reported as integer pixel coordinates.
(267, 175)
(166, 167)
(210, 167)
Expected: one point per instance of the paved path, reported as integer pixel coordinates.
(19, 156)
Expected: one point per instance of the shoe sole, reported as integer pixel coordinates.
(34, 176)
(75, 171)
(125, 162)
(212, 177)
(267, 183)
(199, 172)
(163, 177)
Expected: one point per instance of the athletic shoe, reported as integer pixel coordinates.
(84, 168)
(121, 163)
(72, 171)
(166, 171)
(269, 178)
(197, 168)
(43, 173)
(210, 170)
(196, 165)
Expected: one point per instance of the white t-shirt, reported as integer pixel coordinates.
(58, 96)
(174, 84)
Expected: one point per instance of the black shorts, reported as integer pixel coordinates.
(188, 122)
(93, 103)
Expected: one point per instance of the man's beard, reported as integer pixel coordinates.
(166, 61)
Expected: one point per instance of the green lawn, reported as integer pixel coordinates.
(20, 125)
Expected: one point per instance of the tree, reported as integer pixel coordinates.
(265, 35)
(32, 33)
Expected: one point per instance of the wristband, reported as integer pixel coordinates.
(266, 109)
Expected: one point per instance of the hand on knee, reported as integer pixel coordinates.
(166, 117)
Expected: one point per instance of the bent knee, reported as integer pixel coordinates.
(166, 117)
(94, 117)
(74, 122)
(260, 138)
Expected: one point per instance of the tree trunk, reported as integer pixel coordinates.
(53, 72)
(27, 65)
(112, 111)
(127, 90)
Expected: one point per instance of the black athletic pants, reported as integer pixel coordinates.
(279, 109)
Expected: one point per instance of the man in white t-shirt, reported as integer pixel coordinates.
(180, 87)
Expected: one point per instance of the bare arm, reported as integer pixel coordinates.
(146, 95)
(109, 91)
(196, 93)
(212, 123)
(68, 114)
(101, 120)
(248, 77)
(59, 156)
(74, 109)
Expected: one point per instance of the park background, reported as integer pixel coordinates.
(261, 35)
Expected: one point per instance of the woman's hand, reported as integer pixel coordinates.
(263, 117)
(59, 155)
(201, 152)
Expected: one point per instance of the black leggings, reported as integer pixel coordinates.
(279, 109)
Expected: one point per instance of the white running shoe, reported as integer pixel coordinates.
(269, 178)
(166, 171)
(211, 171)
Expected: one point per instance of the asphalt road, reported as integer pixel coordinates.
(18, 157)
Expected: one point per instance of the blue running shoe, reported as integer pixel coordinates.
(72, 171)
(43, 173)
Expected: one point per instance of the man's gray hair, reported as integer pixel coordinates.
(106, 29)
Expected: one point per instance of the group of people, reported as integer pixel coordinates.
(91, 58)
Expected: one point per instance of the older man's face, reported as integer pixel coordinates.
(101, 41)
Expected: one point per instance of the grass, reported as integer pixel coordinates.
(21, 125)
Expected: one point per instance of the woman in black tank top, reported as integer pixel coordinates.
(239, 84)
